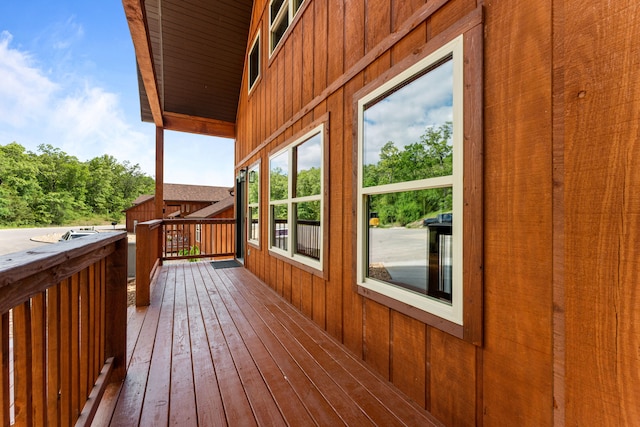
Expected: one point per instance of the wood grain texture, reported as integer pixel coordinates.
(408, 347)
(271, 365)
(517, 359)
(601, 207)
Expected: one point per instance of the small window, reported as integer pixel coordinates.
(198, 233)
(410, 191)
(296, 184)
(253, 204)
(254, 62)
(281, 14)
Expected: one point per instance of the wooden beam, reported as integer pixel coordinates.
(159, 197)
(193, 124)
(135, 12)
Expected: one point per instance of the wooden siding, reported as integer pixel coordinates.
(561, 98)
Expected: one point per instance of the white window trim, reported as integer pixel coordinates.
(255, 166)
(452, 312)
(287, 9)
(290, 201)
(250, 85)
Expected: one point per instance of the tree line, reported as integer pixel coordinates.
(51, 187)
(431, 156)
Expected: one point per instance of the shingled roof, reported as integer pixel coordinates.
(188, 193)
(214, 209)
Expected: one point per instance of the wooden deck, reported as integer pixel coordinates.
(218, 347)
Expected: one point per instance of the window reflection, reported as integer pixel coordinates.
(308, 233)
(278, 177)
(418, 255)
(308, 157)
(280, 236)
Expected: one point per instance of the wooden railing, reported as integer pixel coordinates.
(63, 313)
(178, 239)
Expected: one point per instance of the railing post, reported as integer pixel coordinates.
(143, 264)
(116, 309)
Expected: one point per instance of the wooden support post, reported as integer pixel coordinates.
(159, 197)
(116, 306)
(143, 267)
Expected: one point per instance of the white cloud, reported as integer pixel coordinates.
(85, 121)
(403, 116)
(63, 108)
(24, 89)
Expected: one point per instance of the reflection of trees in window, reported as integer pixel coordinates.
(430, 157)
(296, 199)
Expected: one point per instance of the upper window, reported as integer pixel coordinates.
(410, 186)
(281, 13)
(254, 62)
(296, 183)
(253, 204)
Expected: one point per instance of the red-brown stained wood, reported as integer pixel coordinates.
(377, 337)
(4, 373)
(306, 293)
(155, 339)
(295, 288)
(377, 23)
(181, 364)
(74, 349)
(334, 249)
(22, 364)
(286, 281)
(65, 356)
(408, 344)
(601, 105)
(451, 12)
(352, 302)
(354, 24)
(335, 39)
(517, 359)
(452, 381)
(308, 33)
(319, 48)
(39, 359)
(84, 338)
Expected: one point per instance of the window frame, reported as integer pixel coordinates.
(464, 317)
(255, 166)
(290, 201)
(289, 9)
(254, 45)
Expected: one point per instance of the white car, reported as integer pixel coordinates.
(74, 234)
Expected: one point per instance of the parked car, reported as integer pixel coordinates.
(75, 234)
(441, 218)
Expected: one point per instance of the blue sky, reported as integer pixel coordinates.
(68, 79)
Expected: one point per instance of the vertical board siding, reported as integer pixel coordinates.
(327, 40)
(517, 359)
(602, 212)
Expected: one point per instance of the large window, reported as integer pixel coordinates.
(296, 181)
(410, 186)
(254, 62)
(281, 14)
(253, 205)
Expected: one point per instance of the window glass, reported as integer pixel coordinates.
(410, 169)
(279, 177)
(409, 240)
(296, 205)
(280, 226)
(279, 31)
(253, 204)
(407, 132)
(308, 158)
(308, 230)
(276, 5)
(254, 62)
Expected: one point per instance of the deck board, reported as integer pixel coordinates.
(219, 347)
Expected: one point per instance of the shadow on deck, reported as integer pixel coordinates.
(218, 347)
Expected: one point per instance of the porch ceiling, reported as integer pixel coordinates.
(190, 57)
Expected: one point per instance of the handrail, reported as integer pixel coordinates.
(54, 304)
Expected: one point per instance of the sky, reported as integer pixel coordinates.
(68, 79)
(403, 116)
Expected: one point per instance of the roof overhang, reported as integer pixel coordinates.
(190, 58)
